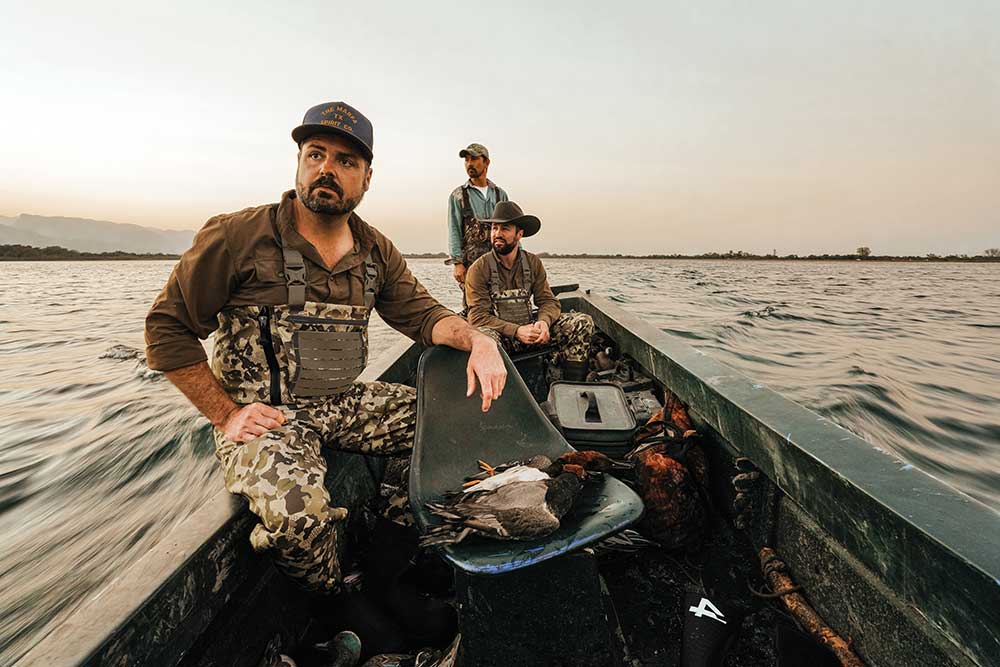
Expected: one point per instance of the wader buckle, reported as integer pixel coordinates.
(295, 275)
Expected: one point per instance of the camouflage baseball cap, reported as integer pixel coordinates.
(475, 150)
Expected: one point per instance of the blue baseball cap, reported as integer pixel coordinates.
(338, 118)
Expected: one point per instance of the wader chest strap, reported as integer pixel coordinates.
(494, 277)
(371, 281)
(295, 276)
(467, 216)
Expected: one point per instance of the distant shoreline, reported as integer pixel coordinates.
(114, 257)
(746, 256)
(22, 253)
(27, 253)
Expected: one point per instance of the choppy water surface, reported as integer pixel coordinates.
(100, 457)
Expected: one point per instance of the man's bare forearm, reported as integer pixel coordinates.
(457, 333)
(204, 391)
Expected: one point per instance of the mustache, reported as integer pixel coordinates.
(327, 182)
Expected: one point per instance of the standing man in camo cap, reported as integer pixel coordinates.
(470, 204)
(287, 289)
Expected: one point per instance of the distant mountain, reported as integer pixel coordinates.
(91, 235)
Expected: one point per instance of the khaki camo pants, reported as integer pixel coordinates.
(281, 473)
(571, 333)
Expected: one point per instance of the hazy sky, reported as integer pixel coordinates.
(627, 127)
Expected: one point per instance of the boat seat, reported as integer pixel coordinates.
(453, 434)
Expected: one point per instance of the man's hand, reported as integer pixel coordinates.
(486, 364)
(459, 272)
(251, 421)
(527, 334)
(543, 332)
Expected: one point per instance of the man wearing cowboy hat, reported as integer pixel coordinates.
(468, 206)
(501, 285)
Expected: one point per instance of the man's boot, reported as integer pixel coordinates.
(574, 371)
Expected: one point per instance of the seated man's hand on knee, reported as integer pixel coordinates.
(251, 421)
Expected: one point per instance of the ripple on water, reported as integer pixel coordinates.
(684, 333)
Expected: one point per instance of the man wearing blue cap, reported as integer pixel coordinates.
(470, 204)
(287, 289)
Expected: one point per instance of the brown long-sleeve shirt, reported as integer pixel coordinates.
(235, 260)
(477, 292)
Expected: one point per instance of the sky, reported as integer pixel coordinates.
(631, 127)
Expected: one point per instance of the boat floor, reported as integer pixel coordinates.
(648, 590)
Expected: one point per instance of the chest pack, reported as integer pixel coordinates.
(510, 305)
(475, 234)
(298, 350)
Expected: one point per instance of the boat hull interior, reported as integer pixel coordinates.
(894, 561)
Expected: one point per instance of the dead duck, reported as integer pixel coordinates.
(670, 476)
(535, 469)
(522, 503)
(486, 470)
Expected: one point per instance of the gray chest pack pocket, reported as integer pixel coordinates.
(330, 354)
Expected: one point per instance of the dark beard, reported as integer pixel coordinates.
(505, 249)
(322, 205)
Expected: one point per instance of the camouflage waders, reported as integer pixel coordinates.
(475, 237)
(303, 358)
(475, 234)
(571, 333)
(281, 473)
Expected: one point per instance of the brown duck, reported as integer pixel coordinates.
(670, 478)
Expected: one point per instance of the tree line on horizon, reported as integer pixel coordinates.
(864, 253)
(54, 252)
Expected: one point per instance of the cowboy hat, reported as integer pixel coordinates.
(510, 213)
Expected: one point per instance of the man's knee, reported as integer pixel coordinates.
(573, 332)
(386, 420)
(577, 323)
(574, 327)
(298, 527)
(388, 397)
(281, 474)
(258, 464)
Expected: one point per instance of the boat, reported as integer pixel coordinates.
(904, 567)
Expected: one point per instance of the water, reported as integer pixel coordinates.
(99, 457)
